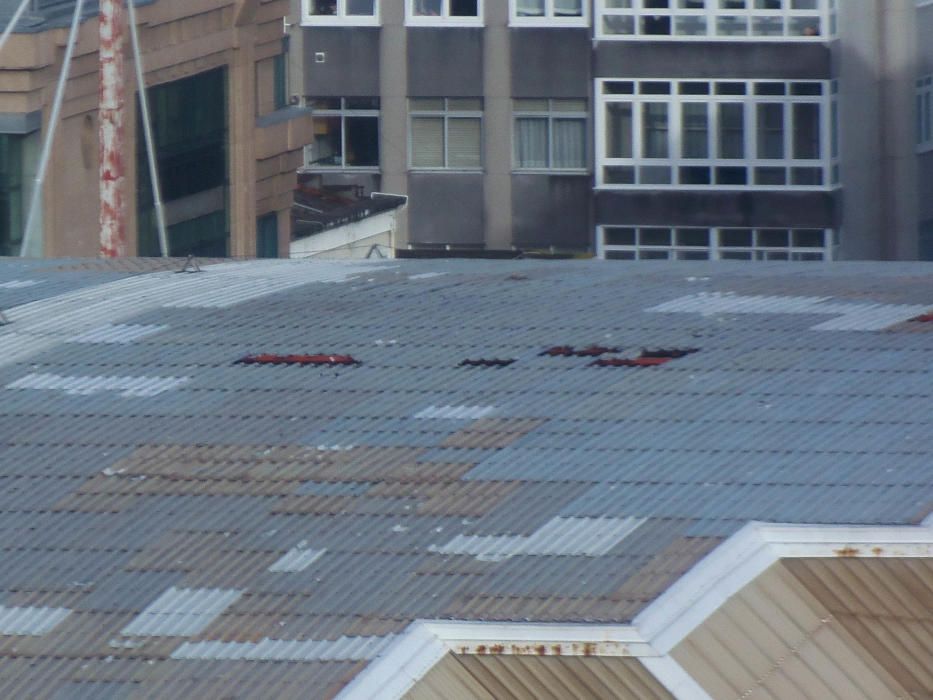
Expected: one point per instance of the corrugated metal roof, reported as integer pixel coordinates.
(592, 488)
(181, 612)
(341, 649)
(30, 621)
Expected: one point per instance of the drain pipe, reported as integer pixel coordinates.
(111, 111)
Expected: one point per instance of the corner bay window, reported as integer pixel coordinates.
(550, 134)
(346, 133)
(714, 134)
(696, 243)
(446, 133)
(723, 19)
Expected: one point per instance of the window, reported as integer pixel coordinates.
(925, 113)
(549, 13)
(730, 20)
(445, 12)
(446, 133)
(692, 243)
(11, 194)
(346, 133)
(715, 134)
(340, 12)
(550, 134)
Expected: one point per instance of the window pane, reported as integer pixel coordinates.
(654, 130)
(464, 142)
(530, 105)
(426, 104)
(465, 104)
(770, 131)
(427, 142)
(616, 235)
(731, 130)
(529, 8)
(569, 143)
(464, 8)
(11, 193)
(806, 131)
(328, 139)
(366, 8)
(619, 130)
(654, 236)
(324, 7)
(531, 143)
(569, 105)
(568, 8)
(362, 141)
(618, 24)
(656, 25)
(695, 130)
(429, 8)
(693, 236)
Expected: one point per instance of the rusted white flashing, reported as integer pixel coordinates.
(658, 629)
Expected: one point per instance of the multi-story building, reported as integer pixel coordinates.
(924, 121)
(731, 129)
(227, 142)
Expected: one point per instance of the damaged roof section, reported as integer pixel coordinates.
(306, 518)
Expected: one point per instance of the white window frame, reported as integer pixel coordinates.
(341, 18)
(342, 113)
(925, 114)
(758, 251)
(444, 19)
(551, 115)
(446, 114)
(549, 19)
(749, 162)
(712, 12)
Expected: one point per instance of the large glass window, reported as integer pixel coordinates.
(446, 133)
(715, 133)
(340, 12)
(553, 13)
(445, 12)
(730, 20)
(550, 134)
(11, 194)
(346, 133)
(925, 113)
(696, 243)
(189, 123)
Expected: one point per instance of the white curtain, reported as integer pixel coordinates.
(530, 8)
(569, 143)
(531, 142)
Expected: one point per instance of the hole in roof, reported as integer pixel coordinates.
(486, 363)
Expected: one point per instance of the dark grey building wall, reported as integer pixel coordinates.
(739, 209)
(551, 62)
(925, 44)
(351, 61)
(552, 210)
(445, 62)
(925, 181)
(632, 59)
(446, 208)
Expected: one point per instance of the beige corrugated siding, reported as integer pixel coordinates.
(507, 677)
(777, 641)
(887, 604)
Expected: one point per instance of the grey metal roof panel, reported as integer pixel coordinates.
(348, 501)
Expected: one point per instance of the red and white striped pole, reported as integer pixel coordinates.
(111, 112)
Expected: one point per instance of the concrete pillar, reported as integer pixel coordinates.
(497, 126)
(393, 87)
(241, 102)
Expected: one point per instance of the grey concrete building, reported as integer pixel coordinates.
(634, 129)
